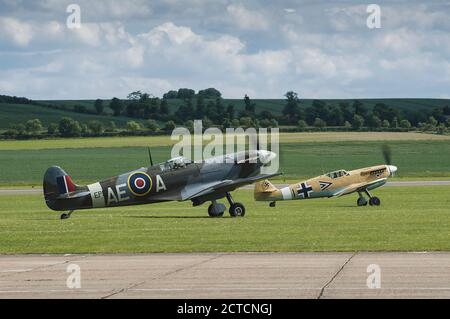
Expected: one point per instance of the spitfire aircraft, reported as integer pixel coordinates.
(178, 179)
(337, 183)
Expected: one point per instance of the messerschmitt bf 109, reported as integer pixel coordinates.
(178, 179)
(337, 183)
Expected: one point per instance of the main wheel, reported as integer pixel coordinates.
(361, 201)
(237, 210)
(213, 213)
(374, 201)
(65, 216)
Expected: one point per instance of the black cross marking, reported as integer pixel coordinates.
(304, 190)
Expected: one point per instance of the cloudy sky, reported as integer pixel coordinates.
(320, 49)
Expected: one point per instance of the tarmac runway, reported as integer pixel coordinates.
(228, 275)
(38, 190)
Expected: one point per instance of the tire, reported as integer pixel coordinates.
(237, 210)
(374, 201)
(212, 213)
(361, 201)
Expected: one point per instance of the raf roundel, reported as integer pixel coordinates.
(140, 184)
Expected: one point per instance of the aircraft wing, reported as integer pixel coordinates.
(357, 187)
(223, 186)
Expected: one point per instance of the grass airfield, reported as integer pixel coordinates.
(409, 219)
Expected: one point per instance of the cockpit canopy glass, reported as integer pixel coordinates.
(176, 163)
(337, 174)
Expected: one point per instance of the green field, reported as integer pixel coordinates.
(415, 159)
(20, 113)
(410, 219)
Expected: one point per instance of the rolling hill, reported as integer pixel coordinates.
(19, 113)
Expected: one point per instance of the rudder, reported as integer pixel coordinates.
(57, 182)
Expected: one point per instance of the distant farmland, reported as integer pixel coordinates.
(18, 113)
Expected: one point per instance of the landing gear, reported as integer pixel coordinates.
(361, 201)
(373, 201)
(236, 209)
(66, 215)
(216, 209)
(272, 204)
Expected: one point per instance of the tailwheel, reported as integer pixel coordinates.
(237, 210)
(66, 215)
(374, 201)
(361, 201)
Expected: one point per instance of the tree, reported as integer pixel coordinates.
(360, 108)
(405, 124)
(112, 127)
(164, 107)
(441, 129)
(189, 124)
(226, 123)
(432, 121)
(374, 121)
(302, 125)
(200, 107)
(249, 106)
(136, 95)
(319, 123)
(184, 93)
(169, 126)
(116, 105)
(291, 109)
(152, 126)
(133, 127)
(210, 93)
(33, 126)
(52, 129)
(358, 122)
(246, 122)
(98, 106)
(68, 127)
(347, 125)
(385, 124)
(95, 127)
(230, 111)
(172, 94)
(19, 129)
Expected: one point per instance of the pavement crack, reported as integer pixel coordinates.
(335, 275)
(163, 275)
(44, 266)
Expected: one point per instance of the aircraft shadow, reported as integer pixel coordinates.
(176, 217)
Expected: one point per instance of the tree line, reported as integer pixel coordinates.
(154, 115)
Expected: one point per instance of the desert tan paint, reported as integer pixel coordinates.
(324, 185)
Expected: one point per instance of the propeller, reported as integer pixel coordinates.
(150, 156)
(387, 154)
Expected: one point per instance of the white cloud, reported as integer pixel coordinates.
(246, 18)
(21, 33)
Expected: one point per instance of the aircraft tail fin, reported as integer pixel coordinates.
(263, 190)
(57, 182)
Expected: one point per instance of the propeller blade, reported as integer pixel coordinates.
(150, 156)
(387, 154)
